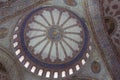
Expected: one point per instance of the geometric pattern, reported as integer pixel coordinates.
(112, 11)
(52, 42)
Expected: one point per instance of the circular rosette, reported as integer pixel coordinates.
(51, 41)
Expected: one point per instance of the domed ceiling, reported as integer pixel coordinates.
(52, 40)
(60, 39)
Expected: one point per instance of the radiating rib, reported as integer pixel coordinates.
(65, 22)
(34, 25)
(46, 20)
(72, 39)
(50, 49)
(64, 17)
(37, 30)
(74, 29)
(77, 38)
(39, 47)
(69, 52)
(47, 17)
(72, 44)
(45, 46)
(59, 18)
(34, 33)
(56, 49)
(68, 45)
(70, 22)
(46, 51)
(34, 41)
(41, 24)
(74, 33)
(40, 20)
(53, 22)
(56, 14)
(61, 52)
(40, 42)
(37, 36)
(74, 25)
(63, 49)
(53, 55)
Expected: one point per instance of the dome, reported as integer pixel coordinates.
(51, 41)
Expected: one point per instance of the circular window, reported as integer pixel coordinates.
(51, 42)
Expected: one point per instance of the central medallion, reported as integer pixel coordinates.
(55, 33)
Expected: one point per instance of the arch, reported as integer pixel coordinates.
(10, 65)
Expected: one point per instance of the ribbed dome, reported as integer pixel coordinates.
(53, 39)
